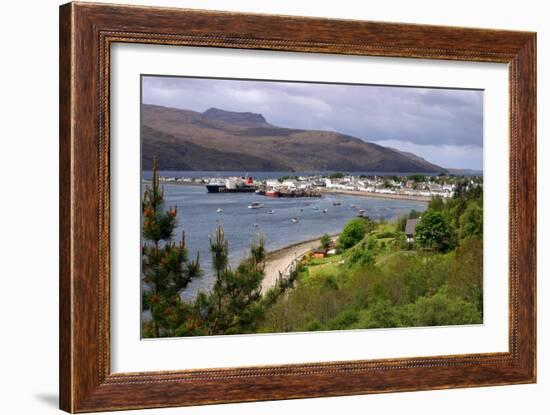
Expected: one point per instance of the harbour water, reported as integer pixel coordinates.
(198, 216)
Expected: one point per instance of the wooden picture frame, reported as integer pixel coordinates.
(86, 33)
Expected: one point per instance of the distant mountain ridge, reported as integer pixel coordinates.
(244, 119)
(245, 141)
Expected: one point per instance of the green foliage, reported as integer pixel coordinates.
(436, 204)
(401, 223)
(471, 222)
(166, 270)
(466, 272)
(380, 314)
(234, 303)
(354, 231)
(434, 232)
(417, 178)
(343, 320)
(379, 284)
(325, 241)
(414, 214)
(467, 190)
(361, 254)
(440, 310)
(219, 248)
(289, 177)
(336, 176)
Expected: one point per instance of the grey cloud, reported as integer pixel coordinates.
(428, 119)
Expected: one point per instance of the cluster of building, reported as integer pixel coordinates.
(185, 180)
(403, 186)
(413, 186)
(291, 187)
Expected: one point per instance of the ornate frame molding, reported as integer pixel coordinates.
(87, 32)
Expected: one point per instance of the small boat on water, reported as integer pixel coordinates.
(255, 225)
(325, 210)
(361, 211)
(336, 203)
(353, 206)
(295, 220)
(315, 208)
(271, 212)
(219, 210)
(255, 205)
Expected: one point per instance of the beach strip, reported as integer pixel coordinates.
(280, 260)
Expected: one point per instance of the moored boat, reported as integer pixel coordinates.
(234, 185)
(255, 205)
(272, 193)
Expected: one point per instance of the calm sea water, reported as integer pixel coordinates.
(198, 217)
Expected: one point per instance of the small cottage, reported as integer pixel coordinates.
(409, 229)
(320, 253)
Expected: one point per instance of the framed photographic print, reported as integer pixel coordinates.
(260, 207)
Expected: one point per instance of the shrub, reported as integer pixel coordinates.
(344, 320)
(361, 255)
(471, 222)
(354, 231)
(325, 241)
(439, 310)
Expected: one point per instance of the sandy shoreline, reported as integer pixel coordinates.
(377, 195)
(281, 259)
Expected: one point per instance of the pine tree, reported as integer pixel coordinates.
(233, 305)
(166, 270)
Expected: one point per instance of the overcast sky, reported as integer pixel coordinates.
(444, 126)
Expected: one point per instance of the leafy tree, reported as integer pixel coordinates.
(166, 270)
(380, 314)
(354, 231)
(417, 178)
(436, 204)
(433, 232)
(325, 241)
(336, 176)
(414, 214)
(471, 222)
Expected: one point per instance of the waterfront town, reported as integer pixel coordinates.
(415, 186)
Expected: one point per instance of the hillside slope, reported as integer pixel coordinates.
(244, 141)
